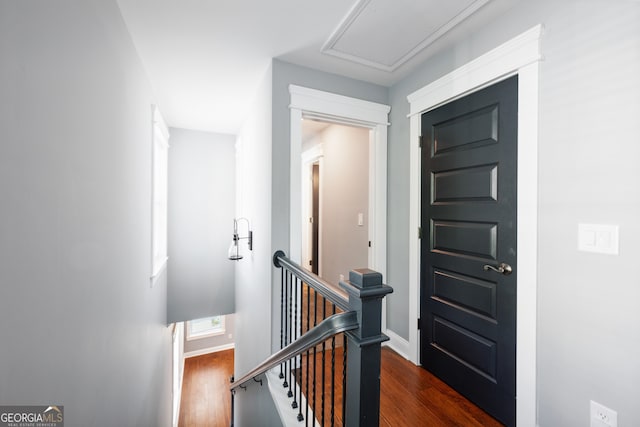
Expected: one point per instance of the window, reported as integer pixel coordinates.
(160, 159)
(206, 327)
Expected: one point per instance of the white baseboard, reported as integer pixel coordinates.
(397, 344)
(288, 415)
(209, 350)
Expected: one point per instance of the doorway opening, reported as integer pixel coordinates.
(323, 106)
(335, 198)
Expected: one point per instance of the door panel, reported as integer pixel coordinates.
(468, 293)
(460, 238)
(469, 211)
(479, 183)
(466, 131)
(470, 349)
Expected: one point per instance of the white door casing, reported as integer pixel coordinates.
(520, 55)
(330, 107)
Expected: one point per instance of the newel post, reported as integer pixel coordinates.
(366, 291)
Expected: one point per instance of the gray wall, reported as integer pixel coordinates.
(285, 74)
(81, 325)
(201, 278)
(263, 197)
(588, 322)
(345, 193)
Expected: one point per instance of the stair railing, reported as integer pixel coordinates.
(315, 362)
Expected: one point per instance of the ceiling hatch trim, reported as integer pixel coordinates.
(384, 35)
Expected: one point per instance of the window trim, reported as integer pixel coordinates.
(159, 159)
(214, 332)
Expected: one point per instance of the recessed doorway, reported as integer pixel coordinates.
(338, 109)
(335, 198)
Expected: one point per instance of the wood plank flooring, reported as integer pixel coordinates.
(410, 396)
(206, 401)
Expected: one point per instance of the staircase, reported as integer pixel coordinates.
(330, 340)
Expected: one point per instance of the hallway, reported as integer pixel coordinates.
(206, 402)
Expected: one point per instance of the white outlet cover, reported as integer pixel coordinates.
(598, 238)
(601, 416)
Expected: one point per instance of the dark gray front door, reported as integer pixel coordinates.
(468, 310)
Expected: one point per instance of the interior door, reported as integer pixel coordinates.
(315, 218)
(468, 257)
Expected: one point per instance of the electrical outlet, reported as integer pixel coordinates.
(601, 416)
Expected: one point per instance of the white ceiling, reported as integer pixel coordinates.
(206, 58)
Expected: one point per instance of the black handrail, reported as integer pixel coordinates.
(331, 292)
(360, 299)
(329, 327)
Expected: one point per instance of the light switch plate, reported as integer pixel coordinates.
(598, 238)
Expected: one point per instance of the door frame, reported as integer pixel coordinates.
(345, 110)
(520, 55)
(311, 157)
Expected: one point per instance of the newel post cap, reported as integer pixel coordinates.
(365, 278)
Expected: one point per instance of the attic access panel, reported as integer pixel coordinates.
(385, 34)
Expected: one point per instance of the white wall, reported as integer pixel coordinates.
(81, 325)
(254, 406)
(345, 193)
(201, 278)
(588, 323)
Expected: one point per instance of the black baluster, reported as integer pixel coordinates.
(299, 357)
(294, 404)
(306, 382)
(333, 373)
(344, 375)
(290, 284)
(281, 317)
(324, 348)
(315, 322)
(285, 384)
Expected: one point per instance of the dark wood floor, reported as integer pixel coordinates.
(410, 396)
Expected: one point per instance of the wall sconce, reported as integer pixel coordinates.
(234, 249)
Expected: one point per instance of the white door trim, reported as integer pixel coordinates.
(312, 103)
(521, 56)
